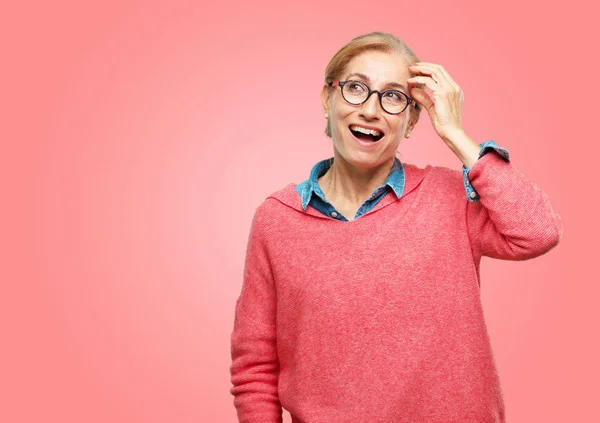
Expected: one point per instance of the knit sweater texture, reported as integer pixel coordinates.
(379, 319)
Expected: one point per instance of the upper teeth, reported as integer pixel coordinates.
(365, 130)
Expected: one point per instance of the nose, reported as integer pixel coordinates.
(370, 108)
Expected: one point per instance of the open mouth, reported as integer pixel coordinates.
(366, 137)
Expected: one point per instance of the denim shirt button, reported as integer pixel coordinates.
(473, 194)
(334, 214)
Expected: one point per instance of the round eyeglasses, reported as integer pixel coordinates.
(356, 92)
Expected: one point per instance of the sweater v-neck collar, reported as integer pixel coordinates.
(413, 176)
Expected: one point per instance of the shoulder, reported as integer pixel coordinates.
(272, 216)
(443, 180)
(444, 174)
(431, 178)
(277, 202)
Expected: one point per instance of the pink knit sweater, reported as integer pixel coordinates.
(379, 319)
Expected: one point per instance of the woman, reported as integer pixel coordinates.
(360, 300)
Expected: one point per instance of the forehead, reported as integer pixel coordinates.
(380, 67)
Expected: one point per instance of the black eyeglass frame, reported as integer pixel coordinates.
(370, 91)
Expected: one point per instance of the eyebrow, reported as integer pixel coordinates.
(389, 84)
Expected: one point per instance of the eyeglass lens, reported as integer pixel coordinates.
(392, 101)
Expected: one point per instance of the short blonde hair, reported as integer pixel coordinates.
(377, 41)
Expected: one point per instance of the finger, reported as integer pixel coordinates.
(441, 75)
(426, 70)
(422, 98)
(440, 70)
(425, 80)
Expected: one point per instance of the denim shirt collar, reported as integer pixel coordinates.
(395, 181)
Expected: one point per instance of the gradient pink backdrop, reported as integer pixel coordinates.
(139, 137)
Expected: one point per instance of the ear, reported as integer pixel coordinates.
(325, 97)
(414, 118)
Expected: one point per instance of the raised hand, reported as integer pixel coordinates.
(444, 108)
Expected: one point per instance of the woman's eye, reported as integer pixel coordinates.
(395, 97)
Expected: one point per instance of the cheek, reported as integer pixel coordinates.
(338, 129)
(400, 125)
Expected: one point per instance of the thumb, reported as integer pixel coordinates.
(423, 98)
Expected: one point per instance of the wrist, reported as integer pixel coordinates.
(463, 146)
(454, 135)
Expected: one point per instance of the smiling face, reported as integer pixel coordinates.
(380, 69)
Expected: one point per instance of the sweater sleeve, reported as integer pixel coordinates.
(513, 219)
(255, 366)
(485, 148)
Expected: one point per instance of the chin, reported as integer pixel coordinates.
(360, 159)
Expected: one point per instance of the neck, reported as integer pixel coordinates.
(350, 184)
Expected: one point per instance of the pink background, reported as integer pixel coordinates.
(139, 137)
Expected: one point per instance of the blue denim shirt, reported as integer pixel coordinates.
(311, 193)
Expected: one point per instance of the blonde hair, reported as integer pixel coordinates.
(377, 41)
